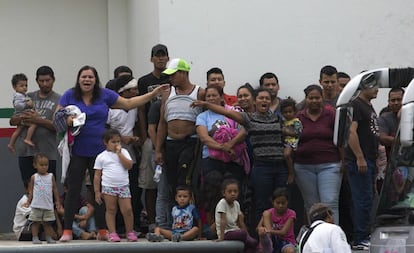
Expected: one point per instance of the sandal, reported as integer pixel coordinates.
(152, 237)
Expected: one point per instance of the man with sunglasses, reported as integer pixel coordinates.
(360, 157)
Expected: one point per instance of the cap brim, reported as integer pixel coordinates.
(169, 71)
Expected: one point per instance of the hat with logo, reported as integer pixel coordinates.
(176, 64)
(157, 48)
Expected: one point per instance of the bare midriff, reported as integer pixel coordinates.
(180, 129)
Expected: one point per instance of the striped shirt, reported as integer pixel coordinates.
(265, 131)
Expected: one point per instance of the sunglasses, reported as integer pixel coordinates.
(369, 81)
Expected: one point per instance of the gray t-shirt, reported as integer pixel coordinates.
(388, 123)
(20, 102)
(44, 139)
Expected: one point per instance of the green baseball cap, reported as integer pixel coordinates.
(176, 64)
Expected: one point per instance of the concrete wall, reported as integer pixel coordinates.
(63, 34)
(294, 39)
(245, 38)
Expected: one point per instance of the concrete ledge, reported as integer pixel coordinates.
(79, 246)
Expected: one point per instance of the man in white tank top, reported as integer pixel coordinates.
(176, 135)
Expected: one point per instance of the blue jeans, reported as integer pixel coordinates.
(362, 190)
(163, 204)
(265, 178)
(90, 225)
(320, 183)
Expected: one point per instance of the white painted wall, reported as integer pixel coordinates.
(63, 34)
(294, 39)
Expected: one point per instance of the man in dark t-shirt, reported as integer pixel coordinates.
(388, 121)
(360, 157)
(159, 58)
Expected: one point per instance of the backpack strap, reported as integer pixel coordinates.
(306, 237)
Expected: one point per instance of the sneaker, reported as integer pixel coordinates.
(113, 237)
(176, 237)
(152, 237)
(51, 241)
(151, 227)
(65, 238)
(362, 245)
(36, 241)
(132, 237)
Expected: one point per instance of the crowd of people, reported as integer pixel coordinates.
(226, 164)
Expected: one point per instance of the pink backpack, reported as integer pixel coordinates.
(223, 134)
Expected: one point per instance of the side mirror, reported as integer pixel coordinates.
(343, 120)
(407, 125)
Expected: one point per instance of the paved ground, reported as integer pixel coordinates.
(7, 236)
(142, 246)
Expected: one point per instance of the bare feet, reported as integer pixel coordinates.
(87, 236)
(29, 142)
(11, 148)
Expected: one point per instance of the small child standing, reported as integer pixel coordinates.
(42, 190)
(229, 218)
(111, 171)
(277, 228)
(292, 128)
(21, 102)
(186, 220)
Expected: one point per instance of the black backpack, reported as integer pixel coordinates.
(306, 237)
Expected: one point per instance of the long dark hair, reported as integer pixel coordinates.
(77, 92)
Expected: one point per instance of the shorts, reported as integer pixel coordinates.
(117, 191)
(39, 214)
(178, 231)
(146, 167)
(282, 244)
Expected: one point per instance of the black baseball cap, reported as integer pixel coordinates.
(157, 48)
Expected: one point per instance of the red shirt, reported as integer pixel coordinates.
(230, 99)
(316, 141)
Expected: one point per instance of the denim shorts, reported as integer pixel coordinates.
(118, 191)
